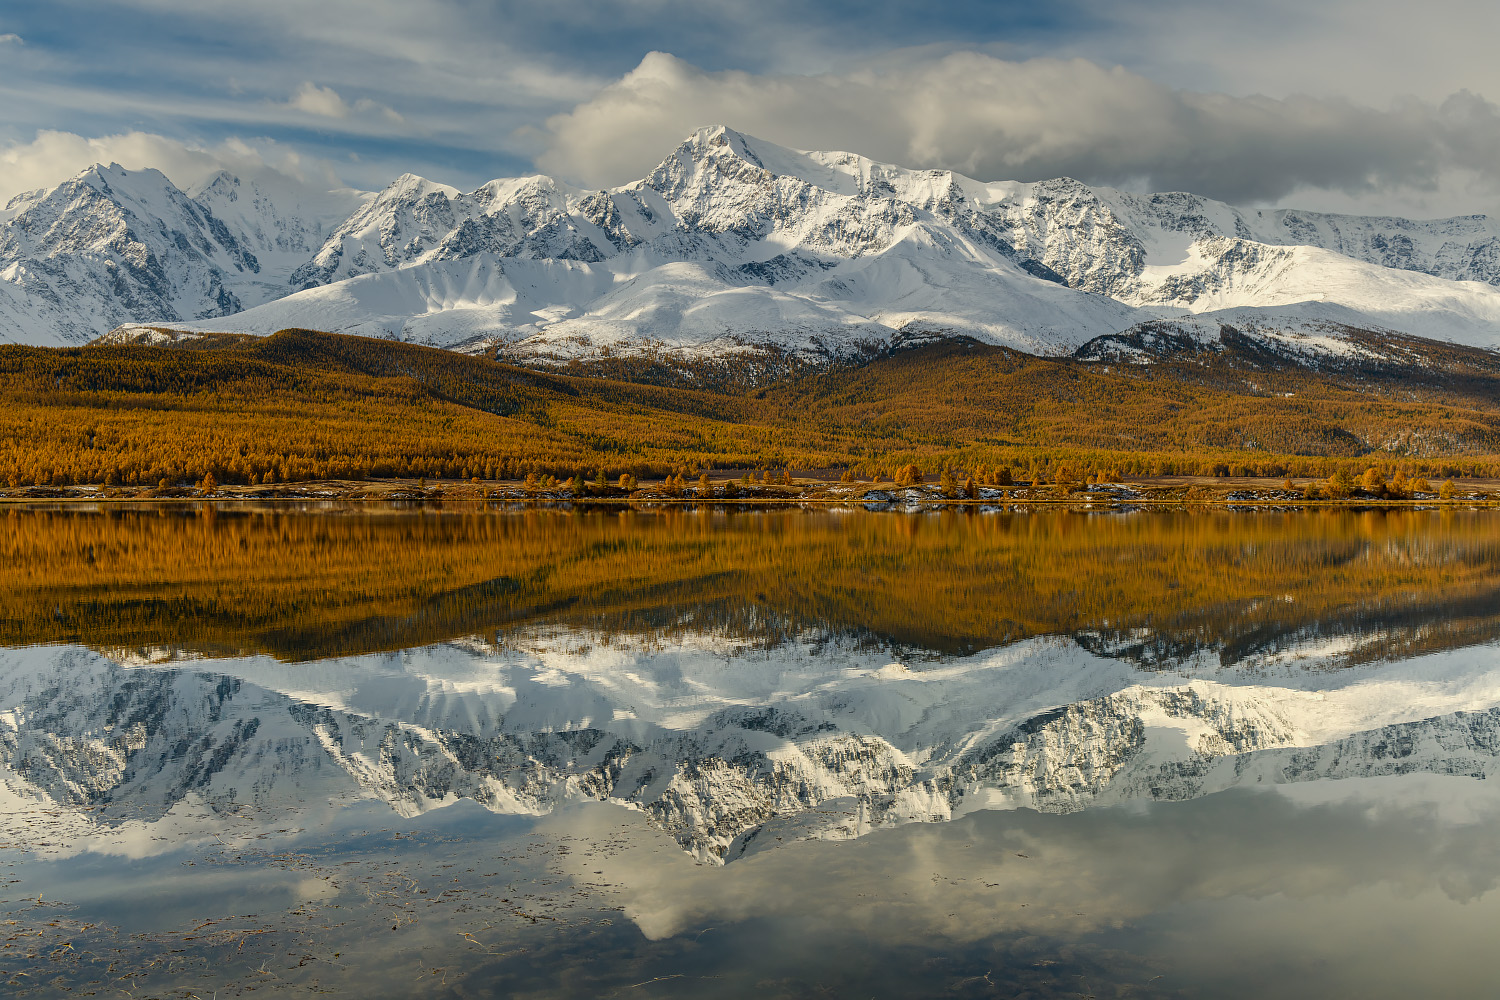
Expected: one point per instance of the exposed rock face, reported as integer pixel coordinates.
(728, 243)
(112, 246)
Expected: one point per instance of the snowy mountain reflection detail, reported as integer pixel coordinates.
(553, 753)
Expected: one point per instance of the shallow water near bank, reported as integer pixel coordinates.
(445, 752)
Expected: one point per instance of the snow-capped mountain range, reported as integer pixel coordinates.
(729, 749)
(730, 244)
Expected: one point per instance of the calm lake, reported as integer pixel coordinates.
(465, 752)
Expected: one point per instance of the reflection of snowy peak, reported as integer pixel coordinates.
(733, 243)
(730, 750)
(130, 744)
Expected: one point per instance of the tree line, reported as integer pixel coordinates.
(303, 406)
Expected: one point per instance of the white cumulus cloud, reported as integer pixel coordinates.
(998, 119)
(316, 100)
(326, 102)
(53, 156)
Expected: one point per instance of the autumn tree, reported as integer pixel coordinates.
(909, 475)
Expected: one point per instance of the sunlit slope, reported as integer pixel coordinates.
(729, 248)
(303, 405)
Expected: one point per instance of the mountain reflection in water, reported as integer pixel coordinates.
(758, 691)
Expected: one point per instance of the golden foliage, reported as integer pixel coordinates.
(302, 405)
(301, 586)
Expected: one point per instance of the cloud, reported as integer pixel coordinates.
(316, 100)
(54, 156)
(997, 119)
(11, 39)
(1303, 848)
(326, 102)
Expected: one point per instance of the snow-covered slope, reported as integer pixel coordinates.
(730, 243)
(112, 246)
(280, 221)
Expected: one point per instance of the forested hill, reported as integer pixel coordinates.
(303, 405)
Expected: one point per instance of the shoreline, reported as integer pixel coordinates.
(1161, 494)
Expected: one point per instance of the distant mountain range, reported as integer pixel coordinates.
(730, 245)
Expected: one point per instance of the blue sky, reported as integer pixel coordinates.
(1337, 104)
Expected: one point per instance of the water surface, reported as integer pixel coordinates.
(458, 752)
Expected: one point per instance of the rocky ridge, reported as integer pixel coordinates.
(731, 245)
